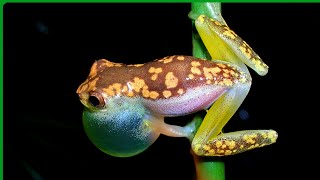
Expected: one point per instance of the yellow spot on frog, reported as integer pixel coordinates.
(117, 87)
(245, 52)
(137, 84)
(151, 70)
(145, 93)
(206, 147)
(215, 70)
(223, 146)
(211, 152)
(218, 144)
(190, 76)
(153, 94)
(225, 75)
(166, 93)
(195, 70)
(249, 138)
(231, 144)
(113, 89)
(207, 74)
(228, 152)
(229, 34)
(226, 70)
(195, 63)
(138, 65)
(109, 91)
(130, 94)
(216, 22)
(167, 60)
(180, 91)
(181, 58)
(221, 65)
(145, 87)
(171, 81)
(124, 89)
(154, 77)
(158, 70)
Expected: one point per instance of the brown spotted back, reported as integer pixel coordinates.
(160, 79)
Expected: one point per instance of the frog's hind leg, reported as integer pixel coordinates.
(209, 141)
(236, 142)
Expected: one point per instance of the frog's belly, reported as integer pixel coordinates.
(193, 100)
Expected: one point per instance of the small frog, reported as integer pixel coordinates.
(125, 105)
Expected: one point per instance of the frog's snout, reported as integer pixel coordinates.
(83, 97)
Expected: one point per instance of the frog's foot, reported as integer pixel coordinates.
(235, 142)
(193, 126)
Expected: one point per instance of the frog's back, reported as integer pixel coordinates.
(155, 79)
(164, 84)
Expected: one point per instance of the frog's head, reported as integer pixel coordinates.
(118, 125)
(91, 90)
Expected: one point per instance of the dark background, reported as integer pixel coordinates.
(49, 49)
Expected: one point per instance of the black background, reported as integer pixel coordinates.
(49, 49)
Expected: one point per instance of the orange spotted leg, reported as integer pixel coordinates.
(209, 141)
(223, 44)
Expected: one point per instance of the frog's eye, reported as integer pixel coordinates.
(96, 100)
(124, 128)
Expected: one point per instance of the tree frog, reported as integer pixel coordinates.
(125, 105)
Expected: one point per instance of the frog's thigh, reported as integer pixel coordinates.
(218, 115)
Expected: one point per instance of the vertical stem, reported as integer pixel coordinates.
(210, 9)
(207, 168)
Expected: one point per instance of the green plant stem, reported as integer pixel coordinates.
(207, 168)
